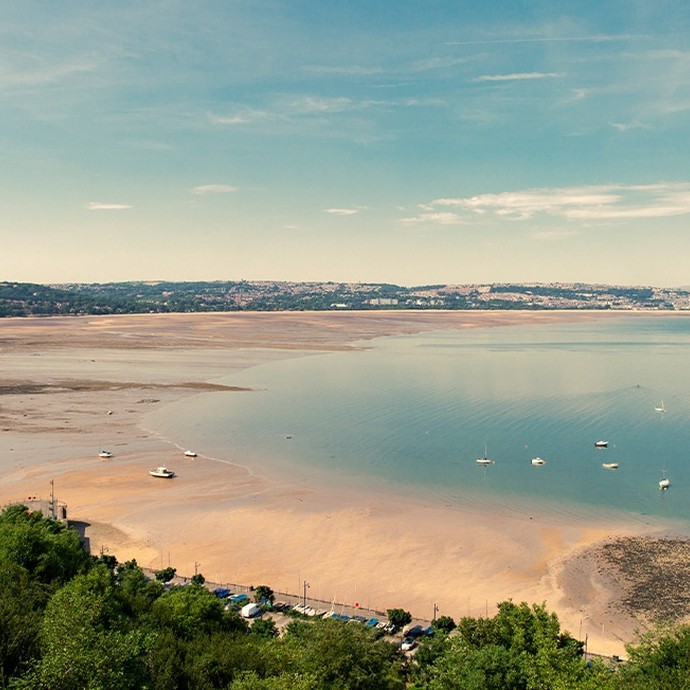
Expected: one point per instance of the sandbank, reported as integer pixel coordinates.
(70, 386)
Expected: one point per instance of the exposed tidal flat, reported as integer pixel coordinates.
(341, 448)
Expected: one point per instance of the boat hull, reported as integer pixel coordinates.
(162, 473)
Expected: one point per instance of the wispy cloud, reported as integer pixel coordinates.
(347, 70)
(437, 63)
(597, 38)
(99, 206)
(241, 117)
(287, 114)
(319, 104)
(203, 189)
(41, 74)
(285, 110)
(342, 211)
(626, 126)
(585, 203)
(520, 76)
(431, 217)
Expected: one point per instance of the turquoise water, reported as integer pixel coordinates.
(418, 410)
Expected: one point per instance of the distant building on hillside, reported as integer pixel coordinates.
(383, 301)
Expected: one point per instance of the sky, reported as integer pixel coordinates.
(396, 141)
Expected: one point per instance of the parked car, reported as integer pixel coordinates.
(408, 644)
(414, 631)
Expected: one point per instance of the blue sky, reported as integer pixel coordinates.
(405, 142)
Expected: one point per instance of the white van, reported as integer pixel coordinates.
(250, 611)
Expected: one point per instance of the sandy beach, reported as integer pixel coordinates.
(71, 386)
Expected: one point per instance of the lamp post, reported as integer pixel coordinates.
(585, 640)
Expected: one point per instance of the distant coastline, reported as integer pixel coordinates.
(148, 297)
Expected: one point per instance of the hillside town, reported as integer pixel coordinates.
(27, 299)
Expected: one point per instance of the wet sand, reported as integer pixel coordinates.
(70, 386)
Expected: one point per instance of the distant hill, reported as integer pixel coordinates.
(31, 299)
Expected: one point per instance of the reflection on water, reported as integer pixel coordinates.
(418, 410)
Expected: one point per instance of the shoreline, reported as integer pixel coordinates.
(67, 382)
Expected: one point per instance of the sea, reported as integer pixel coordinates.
(414, 412)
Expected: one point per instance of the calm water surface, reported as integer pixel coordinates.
(418, 410)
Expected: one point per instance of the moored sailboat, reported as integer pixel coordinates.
(665, 482)
(485, 460)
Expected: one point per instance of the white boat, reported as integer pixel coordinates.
(104, 454)
(538, 462)
(190, 453)
(485, 460)
(601, 444)
(664, 483)
(610, 465)
(660, 408)
(162, 472)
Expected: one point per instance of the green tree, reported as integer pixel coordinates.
(213, 661)
(50, 551)
(250, 680)
(22, 601)
(198, 579)
(190, 611)
(343, 656)
(265, 627)
(660, 659)
(398, 617)
(444, 624)
(136, 592)
(166, 574)
(86, 642)
(265, 593)
(521, 648)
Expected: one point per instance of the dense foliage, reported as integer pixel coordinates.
(69, 621)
